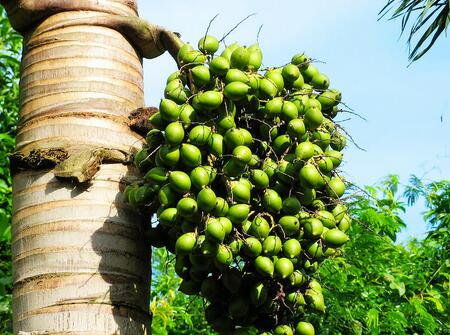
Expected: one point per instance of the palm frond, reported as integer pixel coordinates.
(427, 18)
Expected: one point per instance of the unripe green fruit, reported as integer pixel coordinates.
(187, 207)
(233, 168)
(335, 188)
(176, 91)
(209, 100)
(259, 178)
(338, 141)
(200, 75)
(239, 192)
(236, 90)
(313, 228)
(290, 72)
(272, 202)
(233, 138)
(228, 50)
(321, 138)
(238, 213)
(169, 155)
(208, 44)
(184, 49)
(291, 205)
(328, 220)
(304, 328)
(301, 102)
(226, 224)
(296, 128)
(267, 89)
(190, 155)
(345, 223)
(174, 133)
(189, 287)
(242, 154)
(283, 268)
(167, 196)
(320, 81)
(224, 255)
(310, 177)
(258, 294)
(177, 75)
(286, 172)
(235, 246)
(297, 278)
(260, 228)
(307, 196)
(335, 156)
(272, 245)
(255, 57)
(210, 288)
(187, 115)
(269, 167)
(289, 111)
(238, 307)
(264, 266)
(304, 151)
(313, 118)
(169, 110)
(168, 217)
(276, 77)
(239, 58)
(219, 66)
(185, 243)
(214, 230)
(309, 72)
(221, 207)
(215, 145)
(206, 200)
(292, 248)
(236, 75)
(283, 330)
(179, 181)
(200, 135)
(314, 249)
(328, 100)
(301, 60)
(200, 177)
(325, 164)
(289, 225)
(315, 300)
(273, 107)
(232, 279)
(335, 237)
(157, 175)
(252, 247)
(281, 144)
(339, 211)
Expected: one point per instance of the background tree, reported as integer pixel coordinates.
(427, 19)
(10, 50)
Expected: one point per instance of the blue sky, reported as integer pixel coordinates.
(407, 108)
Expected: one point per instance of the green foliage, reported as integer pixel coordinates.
(173, 312)
(378, 287)
(430, 18)
(10, 50)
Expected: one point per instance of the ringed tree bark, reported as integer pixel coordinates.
(80, 262)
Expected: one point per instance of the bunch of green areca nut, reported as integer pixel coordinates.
(241, 170)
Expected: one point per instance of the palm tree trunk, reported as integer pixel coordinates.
(80, 262)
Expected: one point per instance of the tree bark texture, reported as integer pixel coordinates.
(81, 264)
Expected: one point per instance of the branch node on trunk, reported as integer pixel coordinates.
(82, 166)
(139, 120)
